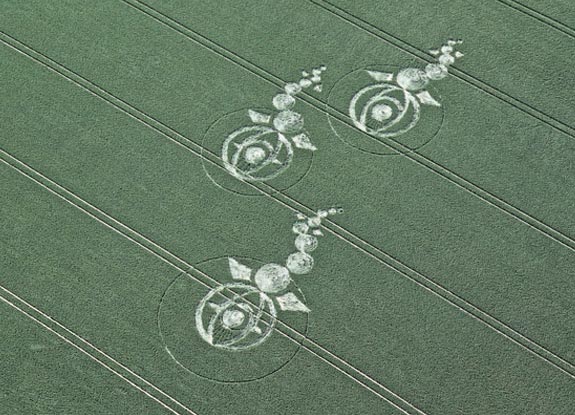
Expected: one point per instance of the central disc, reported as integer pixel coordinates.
(272, 278)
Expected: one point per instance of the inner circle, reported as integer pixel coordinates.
(255, 155)
(412, 124)
(381, 112)
(233, 318)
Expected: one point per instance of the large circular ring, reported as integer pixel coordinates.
(213, 333)
(384, 110)
(252, 153)
(256, 153)
(388, 114)
(235, 323)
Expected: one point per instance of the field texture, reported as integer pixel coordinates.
(291, 207)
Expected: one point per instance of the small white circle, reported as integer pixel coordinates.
(233, 318)
(315, 221)
(292, 88)
(436, 71)
(255, 155)
(306, 243)
(283, 101)
(446, 60)
(300, 227)
(381, 112)
(412, 79)
(305, 83)
(288, 122)
(299, 263)
(272, 278)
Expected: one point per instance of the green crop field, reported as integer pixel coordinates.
(287, 207)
